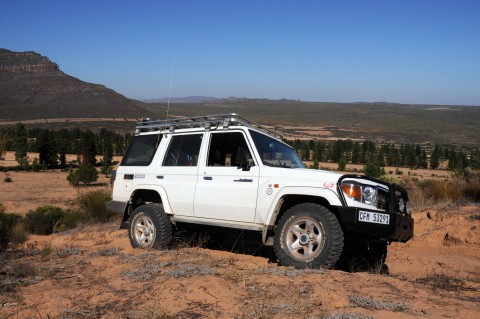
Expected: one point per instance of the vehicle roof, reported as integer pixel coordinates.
(200, 123)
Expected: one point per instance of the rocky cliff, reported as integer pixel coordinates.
(25, 62)
(32, 87)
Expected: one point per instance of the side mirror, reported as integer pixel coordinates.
(244, 167)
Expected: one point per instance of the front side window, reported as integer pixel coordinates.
(183, 150)
(274, 152)
(229, 149)
(141, 150)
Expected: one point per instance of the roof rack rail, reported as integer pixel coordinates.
(207, 122)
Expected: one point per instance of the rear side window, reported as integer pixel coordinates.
(141, 150)
(183, 150)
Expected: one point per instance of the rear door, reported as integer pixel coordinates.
(178, 171)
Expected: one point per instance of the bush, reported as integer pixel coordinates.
(472, 187)
(35, 165)
(8, 180)
(19, 234)
(9, 231)
(48, 219)
(85, 174)
(92, 206)
(463, 187)
(443, 190)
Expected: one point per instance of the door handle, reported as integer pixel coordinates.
(208, 178)
(243, 180)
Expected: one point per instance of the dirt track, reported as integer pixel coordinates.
(93, 272)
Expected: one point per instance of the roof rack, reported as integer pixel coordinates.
(207, 122)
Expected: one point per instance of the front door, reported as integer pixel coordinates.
(227, 182)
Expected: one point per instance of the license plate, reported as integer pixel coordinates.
(371, 217)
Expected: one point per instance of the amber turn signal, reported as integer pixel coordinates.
(352, 190)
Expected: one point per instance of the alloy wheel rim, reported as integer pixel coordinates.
(305, 238)
(144, 231)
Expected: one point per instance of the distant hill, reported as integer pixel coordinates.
(32, 87)
(186, 99)
(382, 121)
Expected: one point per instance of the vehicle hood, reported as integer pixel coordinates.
(302, 174)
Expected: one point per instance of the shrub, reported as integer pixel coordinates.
(19, 235)
(8, 229)
(443, 190)
(85, 174)
(443, 281)
(35, 165)
(92, 206)
(472, 188)
(8, 180)
(48, 219)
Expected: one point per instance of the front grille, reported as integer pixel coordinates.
(382, 199)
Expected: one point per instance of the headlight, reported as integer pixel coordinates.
(369, 195)
(361, 193)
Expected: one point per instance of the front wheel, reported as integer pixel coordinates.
(150, 227)
(308, 236)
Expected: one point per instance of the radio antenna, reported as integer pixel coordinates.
(170, 89)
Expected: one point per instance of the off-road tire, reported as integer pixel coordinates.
(308, 236)
(150, 227)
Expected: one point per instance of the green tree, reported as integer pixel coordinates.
(88, 148)
(423, 163)
(356, 153)
(373, 169)
(3, 145)
(107, 157)
(46, 149)
(20, 145)
(342, 164)
(435, 157)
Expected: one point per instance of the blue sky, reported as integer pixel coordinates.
(408, 51)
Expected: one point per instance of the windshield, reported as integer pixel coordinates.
(274, 152)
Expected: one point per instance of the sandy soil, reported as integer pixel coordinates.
(93, 272)
(28, 190)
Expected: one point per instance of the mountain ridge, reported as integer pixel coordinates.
(32, 86)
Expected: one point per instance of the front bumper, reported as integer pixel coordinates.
(400, 227)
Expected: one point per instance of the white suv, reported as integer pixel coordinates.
(223, 170)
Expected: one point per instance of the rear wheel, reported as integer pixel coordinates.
(150, 227)
(308, 236)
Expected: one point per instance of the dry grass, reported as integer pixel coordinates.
(444, 281)
(441, 192)
(372, 303)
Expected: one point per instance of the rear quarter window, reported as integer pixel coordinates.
(141, 150)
